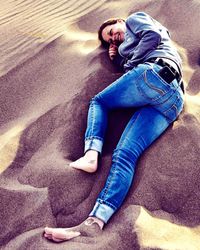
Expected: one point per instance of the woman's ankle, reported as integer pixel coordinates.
(91, 219)
(91, 155)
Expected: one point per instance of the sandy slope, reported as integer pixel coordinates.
(51, 66)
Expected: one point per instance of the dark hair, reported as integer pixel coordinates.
(104, 24)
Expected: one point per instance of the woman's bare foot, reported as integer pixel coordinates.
(90, 227)
(87, 163)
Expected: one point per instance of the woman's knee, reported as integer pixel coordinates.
(99, 100)
(123, 155)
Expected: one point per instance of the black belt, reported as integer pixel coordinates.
(162, 63)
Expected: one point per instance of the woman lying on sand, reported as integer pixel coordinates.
(151, 82)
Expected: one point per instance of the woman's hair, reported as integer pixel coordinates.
(104, 24)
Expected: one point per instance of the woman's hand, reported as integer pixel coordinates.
(112, 51)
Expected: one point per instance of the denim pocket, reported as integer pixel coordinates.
(151, 85)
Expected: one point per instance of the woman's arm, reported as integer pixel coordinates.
(115, 57)
(146, 29)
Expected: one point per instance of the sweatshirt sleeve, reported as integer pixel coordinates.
(145, 28)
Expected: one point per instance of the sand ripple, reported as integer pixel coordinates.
(30, 25)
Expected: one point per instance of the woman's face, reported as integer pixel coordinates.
(114, 33)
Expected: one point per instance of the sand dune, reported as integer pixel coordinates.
(28, 26)
(51, 65)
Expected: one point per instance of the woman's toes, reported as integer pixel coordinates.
(48, 236)
(56, 240)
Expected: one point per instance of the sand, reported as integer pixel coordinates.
(51, 66)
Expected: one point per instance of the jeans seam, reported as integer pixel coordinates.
(93, 118)
(100, 99)
(93, 137)
(160, 103)
(90, 145)
(174, 106)
(107, 203)
(108, 186)
(175, 109)
(94, 212)
(130, 128)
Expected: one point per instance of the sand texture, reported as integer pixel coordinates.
(51, 66)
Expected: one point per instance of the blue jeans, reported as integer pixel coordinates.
(159, 105)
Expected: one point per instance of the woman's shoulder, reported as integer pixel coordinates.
(137, 16)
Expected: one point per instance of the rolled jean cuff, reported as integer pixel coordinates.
(102, 211)
(93, 143)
